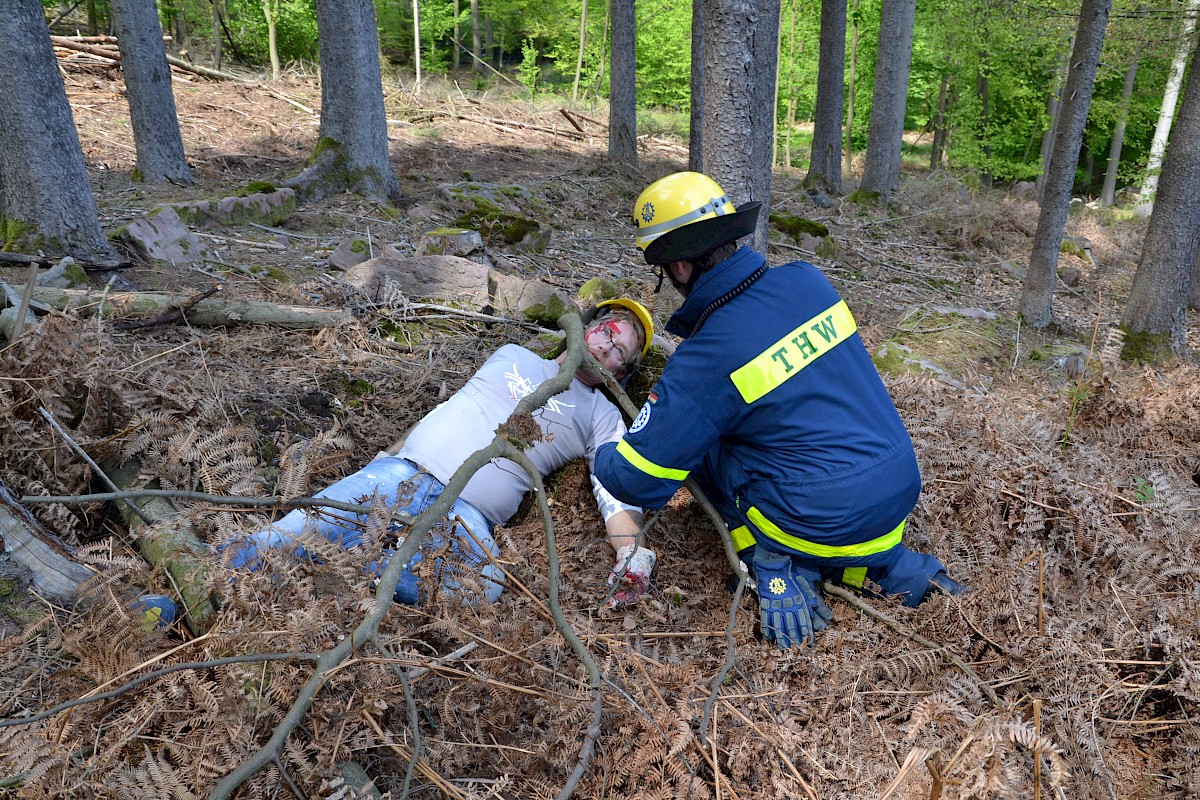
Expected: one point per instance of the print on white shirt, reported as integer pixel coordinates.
(520, 386)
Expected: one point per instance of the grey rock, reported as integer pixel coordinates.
(445, 278)
(163, 236)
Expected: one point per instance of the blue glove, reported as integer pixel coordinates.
(790, 610)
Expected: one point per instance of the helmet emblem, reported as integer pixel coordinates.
(647, 212)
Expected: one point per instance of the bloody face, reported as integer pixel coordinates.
(614, 343)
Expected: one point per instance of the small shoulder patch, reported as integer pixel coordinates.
(643, 418)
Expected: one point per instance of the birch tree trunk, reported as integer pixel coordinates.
(47, 200)
(1155, 318)
(881, 173)
(271, 12)
(1162, 130)
(582, 41)
(622, 108)
(416, 7)
(825, 164)
(148, 90)
(1042, 276)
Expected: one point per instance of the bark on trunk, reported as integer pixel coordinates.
(881, 173)
(1042, 276)
(152, 113)
(848, 150)
(740, 39)
(48, 201)
(622, 113)
(1157, 306)
(1109, 190)
(352, 153)
(696, 121)
(939, 125)
(825, 166)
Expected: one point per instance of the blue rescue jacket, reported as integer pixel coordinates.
(775, 393)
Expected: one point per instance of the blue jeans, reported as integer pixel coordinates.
(408, 490)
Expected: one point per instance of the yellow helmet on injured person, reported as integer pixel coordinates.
(686, 215)
(639, 311)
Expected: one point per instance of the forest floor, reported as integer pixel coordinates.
(1061, 484)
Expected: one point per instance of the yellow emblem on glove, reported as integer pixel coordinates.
(777, 586)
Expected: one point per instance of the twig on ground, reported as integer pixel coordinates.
(838, 591)
(95, 467)
(149, 676)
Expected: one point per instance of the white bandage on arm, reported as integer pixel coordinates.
(608, 504)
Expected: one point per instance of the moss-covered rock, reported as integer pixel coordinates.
(794, 225)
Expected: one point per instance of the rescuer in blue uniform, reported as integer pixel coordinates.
(773, 405)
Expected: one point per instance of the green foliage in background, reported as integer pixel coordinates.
(1000, 64)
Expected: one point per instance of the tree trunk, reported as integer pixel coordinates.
(790, 121)
(848, 151)
(696, 120)
(352, 152)
(271, 12)
(622, 108)
(148, 89)
(740, 39)
(1042, 276)
(937, 152)
(456, 59)
(881, 173)
(48, 201)
(416, 7)
(1193, 292)
(983, 87)
(476, 37)
(1155, 318)
(825, 164)
(582, 41)
(217, 13)
(1109, 190)
(1053, 107)
(1162, 130)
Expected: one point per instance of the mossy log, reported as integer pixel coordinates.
(169, 543)
(209, 312)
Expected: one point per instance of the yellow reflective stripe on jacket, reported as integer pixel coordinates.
(795, 351)
(649, 467)
(877, 545)
(742, 537)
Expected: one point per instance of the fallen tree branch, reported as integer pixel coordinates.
(167, 317)
(207, 312)
(216, 499)
(90, 266)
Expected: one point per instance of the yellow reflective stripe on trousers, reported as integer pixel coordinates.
(649, 467)
(877, 545)
(854, 577)
(742, 538)
(796, 350)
